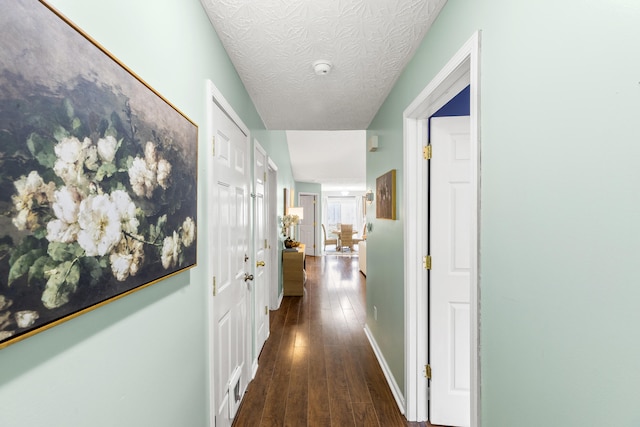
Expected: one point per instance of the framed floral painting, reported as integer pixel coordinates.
(97, 175)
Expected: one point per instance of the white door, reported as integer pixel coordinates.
(273, 233)
(261, 291)
(449, 281)
(307, 226)
(229, 216)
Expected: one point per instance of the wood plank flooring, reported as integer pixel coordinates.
(317, 367)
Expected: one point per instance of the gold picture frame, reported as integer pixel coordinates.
(386, 195)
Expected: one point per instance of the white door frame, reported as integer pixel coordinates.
(317, 249)
(272, 225)
(462, 70)
(214, 95)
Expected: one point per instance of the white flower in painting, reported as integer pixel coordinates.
(127, 258)
(70, 163)
(146, 174)
(21, 220)
(127, 211)
(170, 250)
(150, 154)
(164, 172)
(60, 231)
(70, 173)
(188, 234)
(66, 204)
(26, 188)
(33, 182)
(142, 179)
(30, 189)
(120, 264)
(107, 148)
(31, 192)
(26, 318)
(69, 150)
(100, 227)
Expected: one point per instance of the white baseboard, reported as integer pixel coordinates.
(393, 385)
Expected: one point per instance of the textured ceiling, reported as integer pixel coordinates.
(273, 44)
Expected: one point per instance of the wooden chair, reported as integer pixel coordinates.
(346, 236)
(328, 241)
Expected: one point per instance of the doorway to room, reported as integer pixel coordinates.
(461, 71)
(307, 227)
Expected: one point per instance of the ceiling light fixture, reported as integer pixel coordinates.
(322, 67)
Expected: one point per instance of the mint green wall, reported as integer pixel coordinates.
(385, 285)
(141, 360)
(560, 204)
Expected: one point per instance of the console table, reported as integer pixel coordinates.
(293, 274)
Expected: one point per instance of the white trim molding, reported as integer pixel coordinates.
(462, 70)
(393, 385)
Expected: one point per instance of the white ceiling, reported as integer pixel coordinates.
(335, 159)
(274, 43)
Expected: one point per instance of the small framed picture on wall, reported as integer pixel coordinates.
(386, 195)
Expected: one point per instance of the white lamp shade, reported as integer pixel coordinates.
(298, 210)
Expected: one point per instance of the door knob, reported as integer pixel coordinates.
(260, 264)
(248, 277)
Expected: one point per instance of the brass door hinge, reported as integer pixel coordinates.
(427, 371)
(213, 146)
(266, 244)
(266, 310)
(215, 289)
(426, 262)
(426, 152)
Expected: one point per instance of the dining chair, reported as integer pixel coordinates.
(362, 236)
(328, 241)
(346, 236)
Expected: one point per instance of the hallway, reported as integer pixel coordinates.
(317, 367)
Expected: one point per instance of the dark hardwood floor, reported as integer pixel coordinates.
(317, 367)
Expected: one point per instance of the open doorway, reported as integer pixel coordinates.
(461, 71)
(307, 227)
